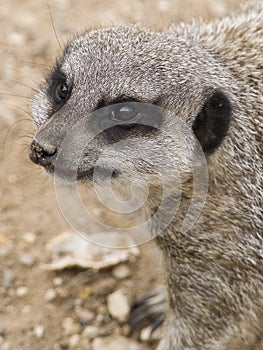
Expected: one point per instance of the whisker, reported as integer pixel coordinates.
(5, 142)
(45, 66)
(17, 107)
(25, 75)
(28, 136)
(25, 146)
(15, 95)
(54, 28)
(19, 83)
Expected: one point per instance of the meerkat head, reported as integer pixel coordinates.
(129, 101)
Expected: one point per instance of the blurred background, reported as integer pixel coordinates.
(66, 309)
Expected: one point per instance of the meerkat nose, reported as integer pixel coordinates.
(42, 153)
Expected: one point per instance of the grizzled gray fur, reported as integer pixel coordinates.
(211, 77)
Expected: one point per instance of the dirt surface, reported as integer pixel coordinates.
(51, 310)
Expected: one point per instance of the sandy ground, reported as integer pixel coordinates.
(30, 318)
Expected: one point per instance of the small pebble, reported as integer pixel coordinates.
(39, 331)
(74, 340)
(118, 305)
(115, 343)
(57, 281)
(103, 286)
(70, 327)
(21, 291)
(7, 277)
(29, 237)
(145, 334)
(90, 332)
(27, 259)
(121, 271)
(26, 309)
(84, 316)
(50, 294)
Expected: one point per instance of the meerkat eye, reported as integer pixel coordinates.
(61, 92)
(59, 89)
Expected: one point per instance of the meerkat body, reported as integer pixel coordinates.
(211, 77)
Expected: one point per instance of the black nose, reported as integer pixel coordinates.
(42, 153)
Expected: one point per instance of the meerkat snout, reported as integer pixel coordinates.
(121, 121)
(42, 153)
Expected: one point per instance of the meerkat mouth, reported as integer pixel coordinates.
(85, 175)
(97, 174)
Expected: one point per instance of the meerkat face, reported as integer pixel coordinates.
(127, 101)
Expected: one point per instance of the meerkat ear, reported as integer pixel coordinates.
(212, 123)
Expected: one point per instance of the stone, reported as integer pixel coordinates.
(21, 291)
(115, 343)
(29, 237)
(57, 281)
(90, 332)
(118, 305)
(39, 331)
(121, 271)
(74, 340)
(70, 327)
(50, 294)
(84, 316)
(27, 259)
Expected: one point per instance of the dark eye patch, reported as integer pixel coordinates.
(58, 89)
(121, 99)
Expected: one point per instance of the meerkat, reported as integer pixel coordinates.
(210, 76)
